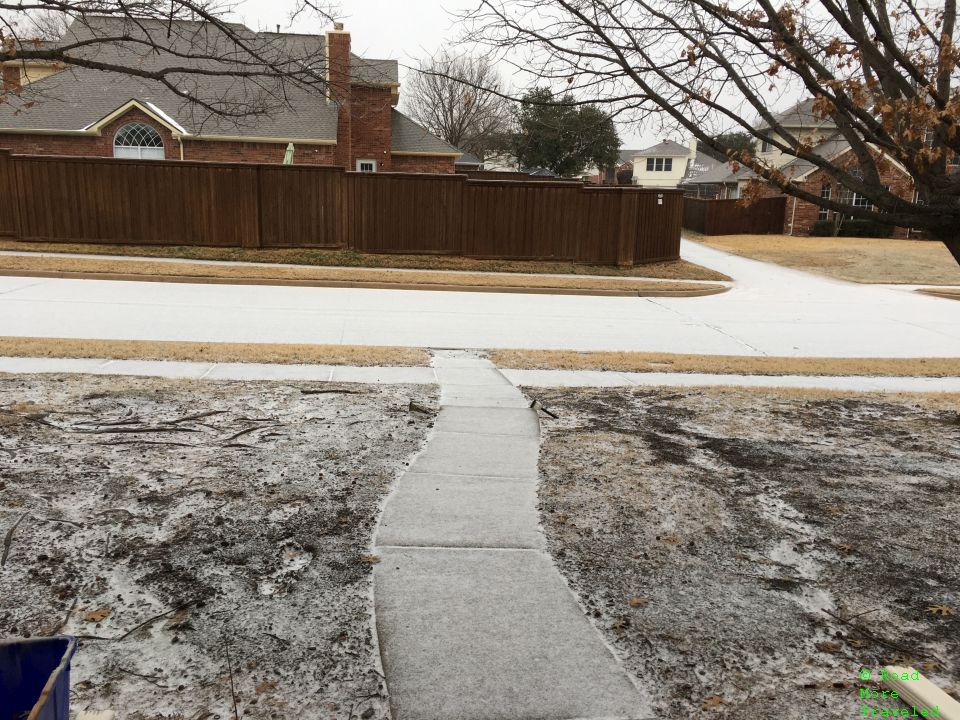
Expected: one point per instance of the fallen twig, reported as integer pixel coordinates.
(870, 636)
(197, 416)
(149, 678)
(8, 540)
(61, 520)
(332, 392)
(248, 431)
(152, 620)
(233, 690)
(66, 618)
(132, 430)
(145, 442)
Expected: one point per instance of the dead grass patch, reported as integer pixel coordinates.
(671, 270)
(863, 260)
(721, 364)
(361, 355)
(201, 272)
(949, 293)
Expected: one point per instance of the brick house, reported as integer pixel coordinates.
(722, 183)
(85, 112)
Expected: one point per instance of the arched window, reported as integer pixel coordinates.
(138, 141)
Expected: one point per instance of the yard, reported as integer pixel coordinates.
(206, 541)
(748, 551)
(863, 260)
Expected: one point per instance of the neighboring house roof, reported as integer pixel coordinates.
(468, 159)
(408, 137)
(367, 71)
(77, 98)
(718, 174)
(701, 164)
(667, 148)
(627, 155)
(800, 116)
(796, 170)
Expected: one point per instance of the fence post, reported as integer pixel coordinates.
(347, 199)
(627, 230)
(258, 241)
(9, 196)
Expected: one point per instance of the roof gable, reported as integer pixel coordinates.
(667, 148)
(800, 117)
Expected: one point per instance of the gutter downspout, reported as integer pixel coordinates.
(793, 215)
(180, 140)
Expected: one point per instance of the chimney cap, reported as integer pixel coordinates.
(338, 26)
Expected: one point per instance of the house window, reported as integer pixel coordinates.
(765, 146)
(368, 166)
(649, 164)
(659, 164)
(138, 141)
(824, 213)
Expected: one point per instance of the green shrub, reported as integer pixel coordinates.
(822, 228)
(865, 228)
(852, 228)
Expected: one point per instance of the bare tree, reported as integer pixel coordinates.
(884, 71)
(187, 46)
(460, 99)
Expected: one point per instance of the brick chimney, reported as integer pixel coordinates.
(11, 79)
(338, 90)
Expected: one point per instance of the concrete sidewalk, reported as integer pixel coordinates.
(474, 620)
(462, 393)
(770, 311)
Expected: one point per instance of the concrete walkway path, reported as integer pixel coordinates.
(428, 376)
(474, 620)
(771, 310)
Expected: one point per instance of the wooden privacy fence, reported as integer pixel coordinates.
(102, 200)
(734, 217)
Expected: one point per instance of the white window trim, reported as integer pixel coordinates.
(361, 162)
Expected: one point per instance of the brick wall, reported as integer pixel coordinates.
(211, 150)
(804, 214)
(87, 145)
(338, 75)
(422, 164)
(372, 132)
(245, 152)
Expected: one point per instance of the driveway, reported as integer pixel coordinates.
(770, 311)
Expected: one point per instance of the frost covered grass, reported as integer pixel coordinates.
(748, 551)
(207, 541)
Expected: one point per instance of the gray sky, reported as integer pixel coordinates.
(403, 30)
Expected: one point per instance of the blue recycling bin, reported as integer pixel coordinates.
(35, 678)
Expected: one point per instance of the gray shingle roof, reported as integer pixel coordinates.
(701, 165)
(468, 159)
(367, 71)
(667, 148)
(627, 155)
(410, 137)
(76, 98)
(802, 116)
(827, 149)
